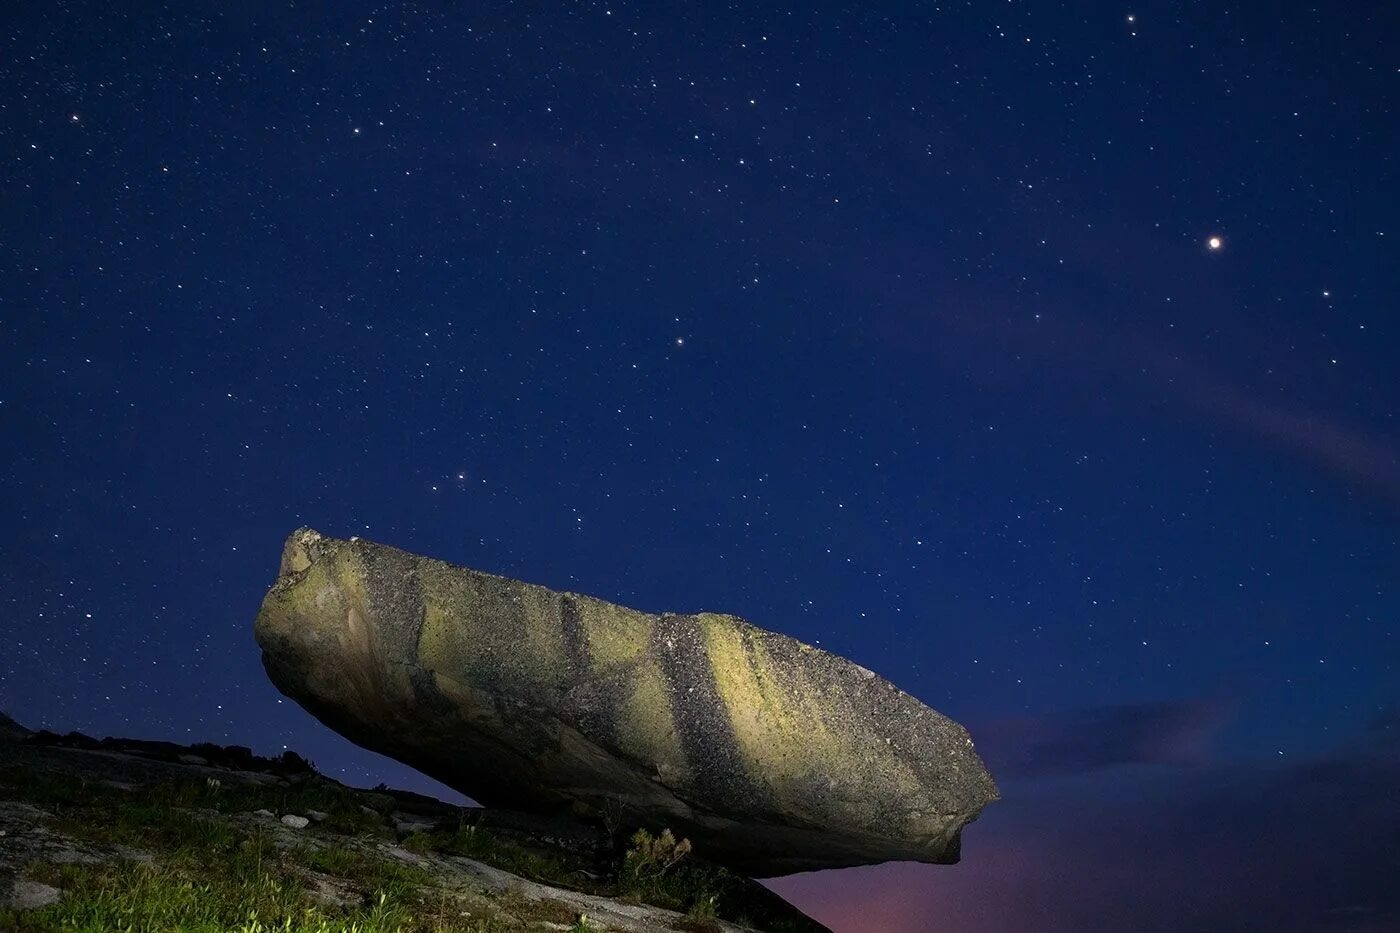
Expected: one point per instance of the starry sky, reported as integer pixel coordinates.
(1038, 356)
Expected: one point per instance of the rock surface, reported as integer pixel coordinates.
(28, 895)
(61, 804)
(770, 755)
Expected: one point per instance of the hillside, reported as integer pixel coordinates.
(118, 833)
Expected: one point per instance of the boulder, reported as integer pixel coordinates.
(770, 755)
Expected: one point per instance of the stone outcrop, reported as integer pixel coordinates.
(66, 804)
(770, 755)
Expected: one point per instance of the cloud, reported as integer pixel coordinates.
(1311, 846)
(994, 338)
(1363, 458)
(1086, 740)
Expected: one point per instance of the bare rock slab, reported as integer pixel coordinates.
(31, 895)
(771, 755)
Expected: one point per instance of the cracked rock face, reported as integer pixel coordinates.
(770, 755)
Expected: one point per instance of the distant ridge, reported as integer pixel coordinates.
(11, 731)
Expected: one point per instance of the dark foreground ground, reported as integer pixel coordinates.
(118, 834)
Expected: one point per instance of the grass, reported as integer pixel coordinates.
(702, 917)
(123, 896)
(482, 845)
(255, 896)
(349, 812)
(646, 873)
(361, 868)
(210, 874)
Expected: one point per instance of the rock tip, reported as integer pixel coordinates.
(300, 551)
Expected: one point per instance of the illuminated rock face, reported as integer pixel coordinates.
(770, 755)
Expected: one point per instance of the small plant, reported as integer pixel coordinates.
(704, 908)
(703, 915)
(611, 816)
(650, 856)
(581, 925)
(499, 852)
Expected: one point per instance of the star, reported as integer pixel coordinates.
(1215, 244)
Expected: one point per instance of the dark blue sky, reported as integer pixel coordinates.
(893, 327)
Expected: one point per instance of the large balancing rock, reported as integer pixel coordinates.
(770, 755)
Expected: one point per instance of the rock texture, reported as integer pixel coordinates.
(770, 755)
(61, 798)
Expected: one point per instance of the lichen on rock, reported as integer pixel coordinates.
(771, 755)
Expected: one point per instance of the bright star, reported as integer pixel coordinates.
(1215, 243)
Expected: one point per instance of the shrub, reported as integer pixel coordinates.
(650, 857)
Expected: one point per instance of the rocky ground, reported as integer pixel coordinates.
(130, 835)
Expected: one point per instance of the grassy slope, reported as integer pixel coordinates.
(215, 868)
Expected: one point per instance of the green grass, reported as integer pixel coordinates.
(361, 868)
(148, 825)
(255, 895)
(349, 812)
(484, 846)
(210, 874)
(53, 791)
(702, 917)
(125, 896)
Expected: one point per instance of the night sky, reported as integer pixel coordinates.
(1039, 356)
